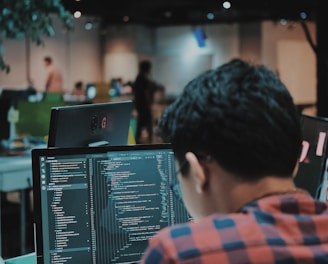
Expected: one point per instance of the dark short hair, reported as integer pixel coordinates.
(79, 85)
(47, 59)
(145, 66)
(241, 115)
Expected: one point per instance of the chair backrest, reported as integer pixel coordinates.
(53, 97)
(4, 124)
(34, 117)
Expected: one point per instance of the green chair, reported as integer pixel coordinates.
(34, 117)
(53, 97)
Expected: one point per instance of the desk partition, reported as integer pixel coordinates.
(24, 259)
(16, 175)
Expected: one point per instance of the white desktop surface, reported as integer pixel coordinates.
(15, 173)
(24, 259)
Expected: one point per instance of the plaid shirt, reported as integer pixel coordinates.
(288, 228)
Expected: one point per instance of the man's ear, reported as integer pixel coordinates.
(196, 172)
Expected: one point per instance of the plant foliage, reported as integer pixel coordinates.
(29, 18)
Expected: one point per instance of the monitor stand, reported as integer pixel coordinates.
(99, 143)
(13, 142)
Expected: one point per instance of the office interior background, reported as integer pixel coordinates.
(97, 54)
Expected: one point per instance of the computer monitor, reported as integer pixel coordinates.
(314, 154)
(102, 204)
(4, 124)
(90, 124)
(9, 99)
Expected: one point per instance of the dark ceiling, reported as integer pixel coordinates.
(182, 12)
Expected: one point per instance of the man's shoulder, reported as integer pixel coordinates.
(276, 211)
(215, 226)
(215, 233)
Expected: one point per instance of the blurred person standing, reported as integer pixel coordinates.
(54, 79)
(143, 90)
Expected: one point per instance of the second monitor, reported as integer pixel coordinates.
(313, 155)
(90, 124)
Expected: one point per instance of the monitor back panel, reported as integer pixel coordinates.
(102, 204)
(314, 154)
(90, 124)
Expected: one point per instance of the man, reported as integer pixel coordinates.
(54, 80)
(143, 88)
(237, 138)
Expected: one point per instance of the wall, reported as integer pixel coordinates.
(178, 57)
(173, 50)
(124, 47)
(250, 44)
(93, 56)
(286, 50)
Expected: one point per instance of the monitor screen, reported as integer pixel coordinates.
(102, 204)
(90, 124)
(313, 155)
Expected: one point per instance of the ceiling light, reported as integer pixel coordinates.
(226, 4)
(77, 14)
(88, 25)
(303, 15)
(210, 16)
(283, 21)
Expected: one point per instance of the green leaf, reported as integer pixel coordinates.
(29, 18)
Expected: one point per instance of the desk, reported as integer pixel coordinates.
(16, 175)
(25, 259)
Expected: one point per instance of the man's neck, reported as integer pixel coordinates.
(245, 192)
(227, 193)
